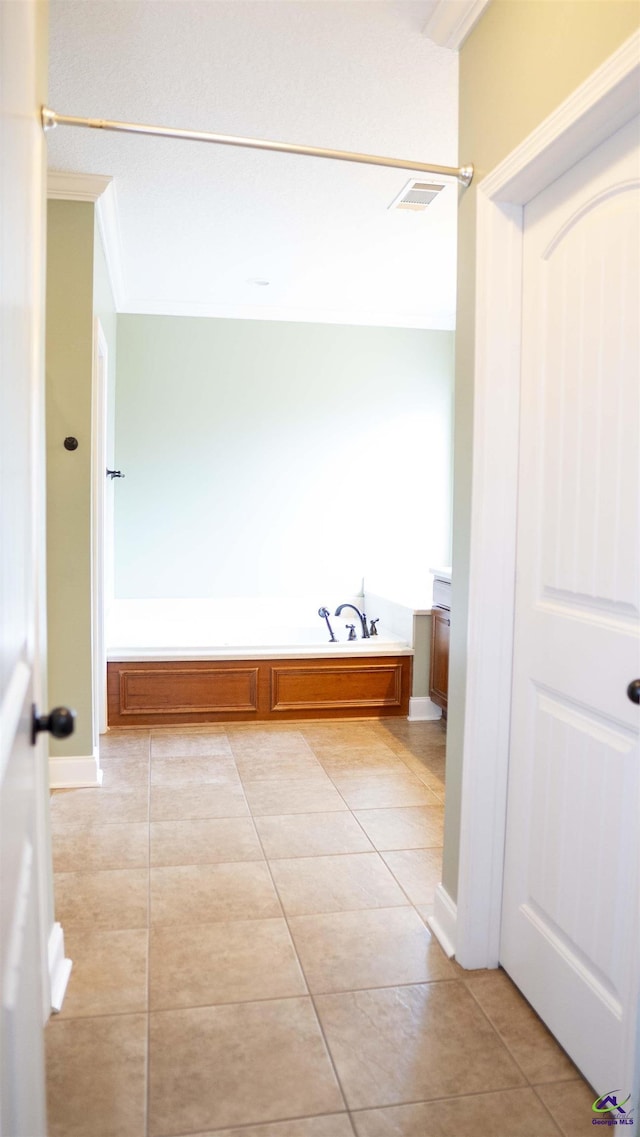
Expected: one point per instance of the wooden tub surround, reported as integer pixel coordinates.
(153, 693)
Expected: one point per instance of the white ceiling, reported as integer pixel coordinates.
(197, 223)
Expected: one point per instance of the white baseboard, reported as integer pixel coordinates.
(74, 773)
(59, 968)
(443, 921)
(423, 710)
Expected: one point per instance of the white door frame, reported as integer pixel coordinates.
(97, 189)
(98, 526)
(599, 107)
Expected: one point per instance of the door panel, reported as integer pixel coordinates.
(591, 486)
(570, 903)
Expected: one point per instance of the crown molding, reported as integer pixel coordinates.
(452, 21)
(433, 321)
(62, 185)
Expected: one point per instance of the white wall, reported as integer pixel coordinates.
(268, 458)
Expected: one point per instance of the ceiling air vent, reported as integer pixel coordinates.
(416, 195)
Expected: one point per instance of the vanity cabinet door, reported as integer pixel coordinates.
(440, 627)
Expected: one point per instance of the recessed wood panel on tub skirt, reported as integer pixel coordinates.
(173, 692)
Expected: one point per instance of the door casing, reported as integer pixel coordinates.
(99, 535)
(598, 108)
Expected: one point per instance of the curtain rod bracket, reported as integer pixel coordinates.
(51, 119)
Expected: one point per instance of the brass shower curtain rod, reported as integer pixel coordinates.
(50, 119)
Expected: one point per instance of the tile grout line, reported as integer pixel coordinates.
(320, 856)
(454, 1098)
(306, 981)
(388, 868)
(267, 998)
(530, 1084)
(499, 1035)
(386, 773)
(247, 1125)
(561, 1129)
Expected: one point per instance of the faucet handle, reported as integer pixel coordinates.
(352, 631)
(373, 631)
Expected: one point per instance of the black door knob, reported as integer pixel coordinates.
(633, 690)
(60, 723)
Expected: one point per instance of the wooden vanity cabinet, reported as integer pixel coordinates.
(439, 683)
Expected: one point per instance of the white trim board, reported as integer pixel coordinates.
(598, 108)
(423, 709)
(59, 967)
(76, 772)
(443, 921)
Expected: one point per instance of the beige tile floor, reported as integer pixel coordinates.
(246, 912)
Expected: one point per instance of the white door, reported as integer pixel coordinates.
(25, 864)
(570, 905)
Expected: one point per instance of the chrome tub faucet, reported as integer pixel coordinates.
(361, 616)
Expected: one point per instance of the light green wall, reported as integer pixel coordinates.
(69, 332)
(519, 63)
(77, 286)
(267, 458)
